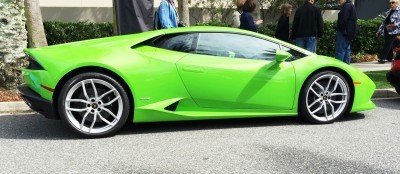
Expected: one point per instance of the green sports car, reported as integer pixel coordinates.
(190, 73)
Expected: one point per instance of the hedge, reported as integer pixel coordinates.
(366, 42)
(61, 32)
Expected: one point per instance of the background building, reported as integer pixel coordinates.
(101, 10)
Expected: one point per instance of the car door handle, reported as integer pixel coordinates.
(193, 69)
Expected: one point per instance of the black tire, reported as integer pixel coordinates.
(103, 115)
(320, 104)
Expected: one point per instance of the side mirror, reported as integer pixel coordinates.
(281, 55)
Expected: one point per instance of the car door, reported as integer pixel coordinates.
(236, 71)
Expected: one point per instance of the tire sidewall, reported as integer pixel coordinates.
(93, 75)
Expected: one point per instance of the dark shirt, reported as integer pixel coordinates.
(347, 20)
(282, 30)
(247, 22)
(307, 22)
(387, 20)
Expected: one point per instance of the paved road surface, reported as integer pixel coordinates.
(367, 142)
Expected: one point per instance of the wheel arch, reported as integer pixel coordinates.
(97, 69)
(337, 70)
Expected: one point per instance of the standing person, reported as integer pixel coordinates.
(246, 20)
(283, 29)
(389, 28)
(346, 30)
(236, 14)
(307, 26)
(166, 15)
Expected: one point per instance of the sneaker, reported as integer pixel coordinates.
(381, 61)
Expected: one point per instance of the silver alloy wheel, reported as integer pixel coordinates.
(99, 113)
(327, 97)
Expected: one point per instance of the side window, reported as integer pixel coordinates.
(235, 46)
(181, 42)
(296, 54)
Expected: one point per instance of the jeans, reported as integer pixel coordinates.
(342, 48)
(308, 43)
(387, 47)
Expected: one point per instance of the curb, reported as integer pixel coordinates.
(20, 106)
(385, 93)
(16, 106)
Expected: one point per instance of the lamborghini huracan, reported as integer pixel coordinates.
(190, 73)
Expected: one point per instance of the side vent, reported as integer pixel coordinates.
(172, 107)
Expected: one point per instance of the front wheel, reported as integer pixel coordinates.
(324, 98)
(93, 105)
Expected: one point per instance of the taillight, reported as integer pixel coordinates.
(33, 64)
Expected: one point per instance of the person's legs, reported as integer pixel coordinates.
(340, 47)
(390, 55)
(347, 53)
(311, 44)
(300, 42)
(387, 47)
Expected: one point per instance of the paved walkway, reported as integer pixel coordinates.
(372, 66)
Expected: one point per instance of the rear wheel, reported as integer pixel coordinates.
(324, 98)
(93, 105)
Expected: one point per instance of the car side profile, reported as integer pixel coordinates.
(189, 73)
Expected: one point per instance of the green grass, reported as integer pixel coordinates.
(379, 78)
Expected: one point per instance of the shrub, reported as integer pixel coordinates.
(10, 73)
(61, 32)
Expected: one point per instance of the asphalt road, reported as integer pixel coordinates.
(366, 142)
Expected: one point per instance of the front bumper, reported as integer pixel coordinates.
(393, 77)
(37, 103)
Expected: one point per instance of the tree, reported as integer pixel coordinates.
(34, 24)
(12, 42)
(217, 10)
(183, 8)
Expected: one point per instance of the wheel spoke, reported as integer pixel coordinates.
(336, 94)
(78, 100)
(319, 86)
(333, 108)
(318, 109)
(94, 120)
(338, 102)
(84, 118)
(316, 101)
(112, 101)
(326, 112)
(336, 84)
(84, 91)
(108, 92)
(102, 118)
(112, 114)
(314, 92)
(95, 90)
(76, 109)
(329, 83)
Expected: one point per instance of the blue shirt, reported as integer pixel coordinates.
(166, 15)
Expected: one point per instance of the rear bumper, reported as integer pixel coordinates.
(393, 77)
(37, 103)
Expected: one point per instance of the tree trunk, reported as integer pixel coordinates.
(12, 30)
(183, 8)
(34, 24)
